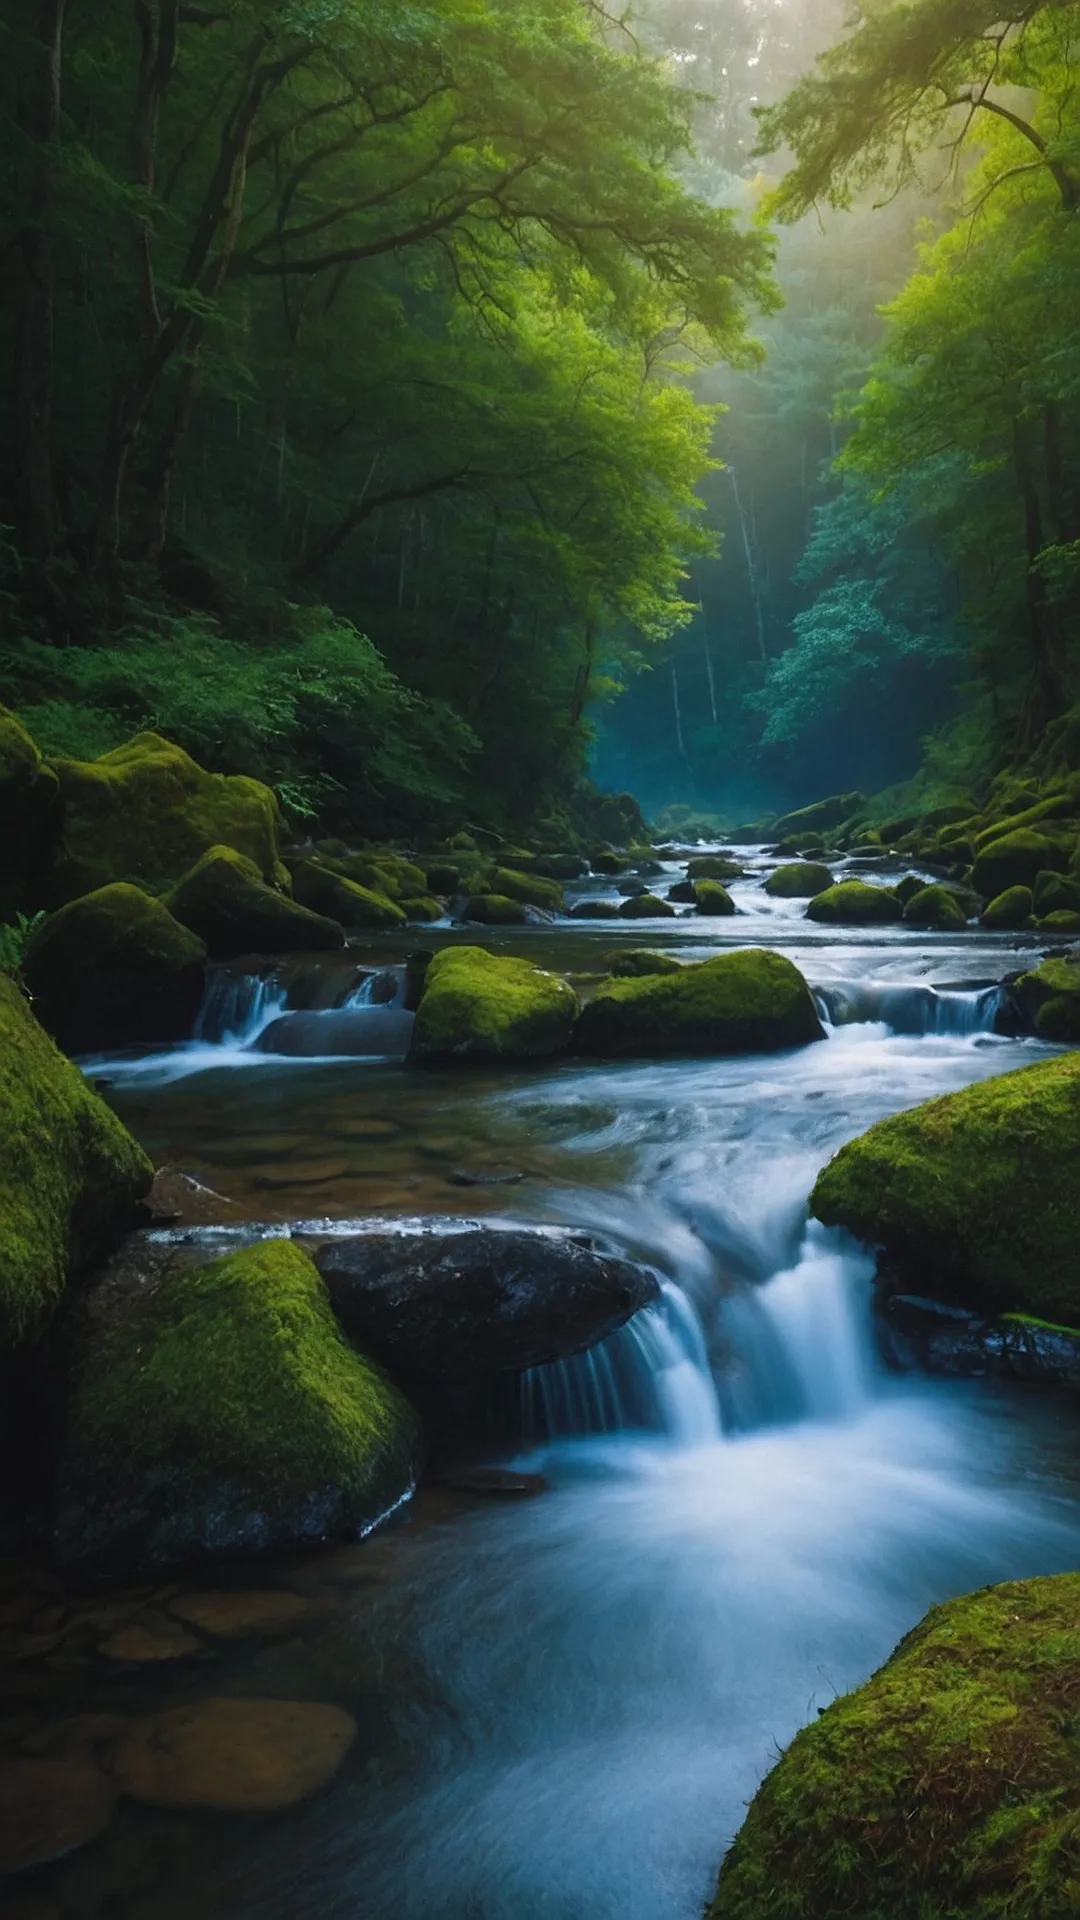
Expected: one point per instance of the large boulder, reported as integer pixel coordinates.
(323, 891)
(646, 906)
(747, 1002)
(1055, 894)
(114, 969)
(936, 909)
(713, 866)
(976, 1194)
(1050, 997)
(480, 1006)
(821, 817)
(29, 796)
(495, 910)
(948, 1785)
(852, 903)
(221, 1412)
(1015, 860)
(70, 1175)
(464, 1306)
(531, 889)
(227, 903)
(712, 900)
(1010, 911)
(799, 880)
(147, 811)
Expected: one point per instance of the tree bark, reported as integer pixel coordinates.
(1045, 696)
(35, 502)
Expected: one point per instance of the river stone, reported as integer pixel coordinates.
(145, 1644)
(354, 1032)
(449, 1306)
(48, 1808)
(235, 1616)
(240, 1756)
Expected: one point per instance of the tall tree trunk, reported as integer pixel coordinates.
(35, 311)
(1045, 696)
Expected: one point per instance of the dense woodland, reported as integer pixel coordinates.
(401, 395)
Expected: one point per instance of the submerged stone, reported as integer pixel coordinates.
(240, 1756)
(114, 969)
(480, 1006)
(747, 1002)
(50, 1808)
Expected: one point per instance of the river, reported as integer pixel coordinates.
(566, 1701)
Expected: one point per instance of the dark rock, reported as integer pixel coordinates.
(49, 1808)
(449, 1306)
(357, 1032)
(934, 1336)
(114, 969)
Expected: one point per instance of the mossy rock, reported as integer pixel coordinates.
(562, 866)
(1055, 894)
(1056, 807)
(609, 864)
(1050, 996)
(1015, 860)
(822, 816)
(225, 901)
(806, 844)
(462, 843)
(594, 910)
(748, 1002)
(639, 964)
(935, 909)
(1062, 921)
(443, 877)
(423, 910)
(851, 903)
(325, 892)
(1009, 912)
(978, 1191)
(907, 888)
(530, 888)
(480, 1006)
(114, 969)
(712, 900)
(224, 1413)
(646, 906)
(947, 1786)
(382, 872)
(70, 1174)
(495, 910)
(712, 866)
(29, 811)
(147, 812)
(683, 893)
(801, 880)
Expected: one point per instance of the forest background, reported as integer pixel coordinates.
(411, 405)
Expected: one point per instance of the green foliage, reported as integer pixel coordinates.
(15, 937)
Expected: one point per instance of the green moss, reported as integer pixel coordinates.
(226, 1413)
(713, 900)
(822, 816)
(980, 1189)
(224, 900)
(1060, 922)
(1050, 996)
(712, 866)
(29, 792)
(646, 906)
(806, 844)
(936, 909)
(1014, 860)
(323, 891)
(1056, 807)
(424, 909)
(148, 812)
(494, 910)
(115, 969)
(70, 1174)
(748, 1002)
(852, 903)
(947, 1788)
(639, 964)
(530, 888)
(1010, 911)
(480, 1006)
(1055, 894)
(802, 880)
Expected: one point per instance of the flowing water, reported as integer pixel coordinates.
(566, 1701)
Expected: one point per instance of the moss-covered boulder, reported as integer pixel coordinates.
(713, 866)
(799, 880)
(147, 812)
(977, 1193)
(70, 1174)
(530, 888)
(712, 900)
(114, 969)
(822, 816)
(638, 963)
(1063, 921)
(380, 869)
(423, 909)
(947, 1786)
(483, 1007)
(608, 863)
(594, 910)
(1015, 860)
(1050, 996)
(852, 903)
(936, 909)
(222, 1412)
(323, 891)
(1010, 911)
(443, 877)
(29, 797)
(1055, 894)
(646, 906)
(748, 1002)
(495, 910)
(225, 901)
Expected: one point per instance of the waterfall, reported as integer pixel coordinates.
(238, 1006)
(910, 1010)
(383, 989)
(652, 1375)
(801, 1346)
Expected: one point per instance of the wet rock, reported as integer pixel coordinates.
(353, 1032)
(933, 1336)
(243, 1615)
(638, 963)
(147, 1643)
(241, 1756)
(114, 969)
(178, 1196)
(751, 1001)
(496, 1482)
(853, 903)
(49, 1808)
(447, 1306)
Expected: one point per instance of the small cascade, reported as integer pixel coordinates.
(652, 1375)
(386, 988)
(802, 1344)
(237, 1007)
(910, 1010)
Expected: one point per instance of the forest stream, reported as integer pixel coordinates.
(728, 1514)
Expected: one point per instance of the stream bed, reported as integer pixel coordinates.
(566, 1701)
